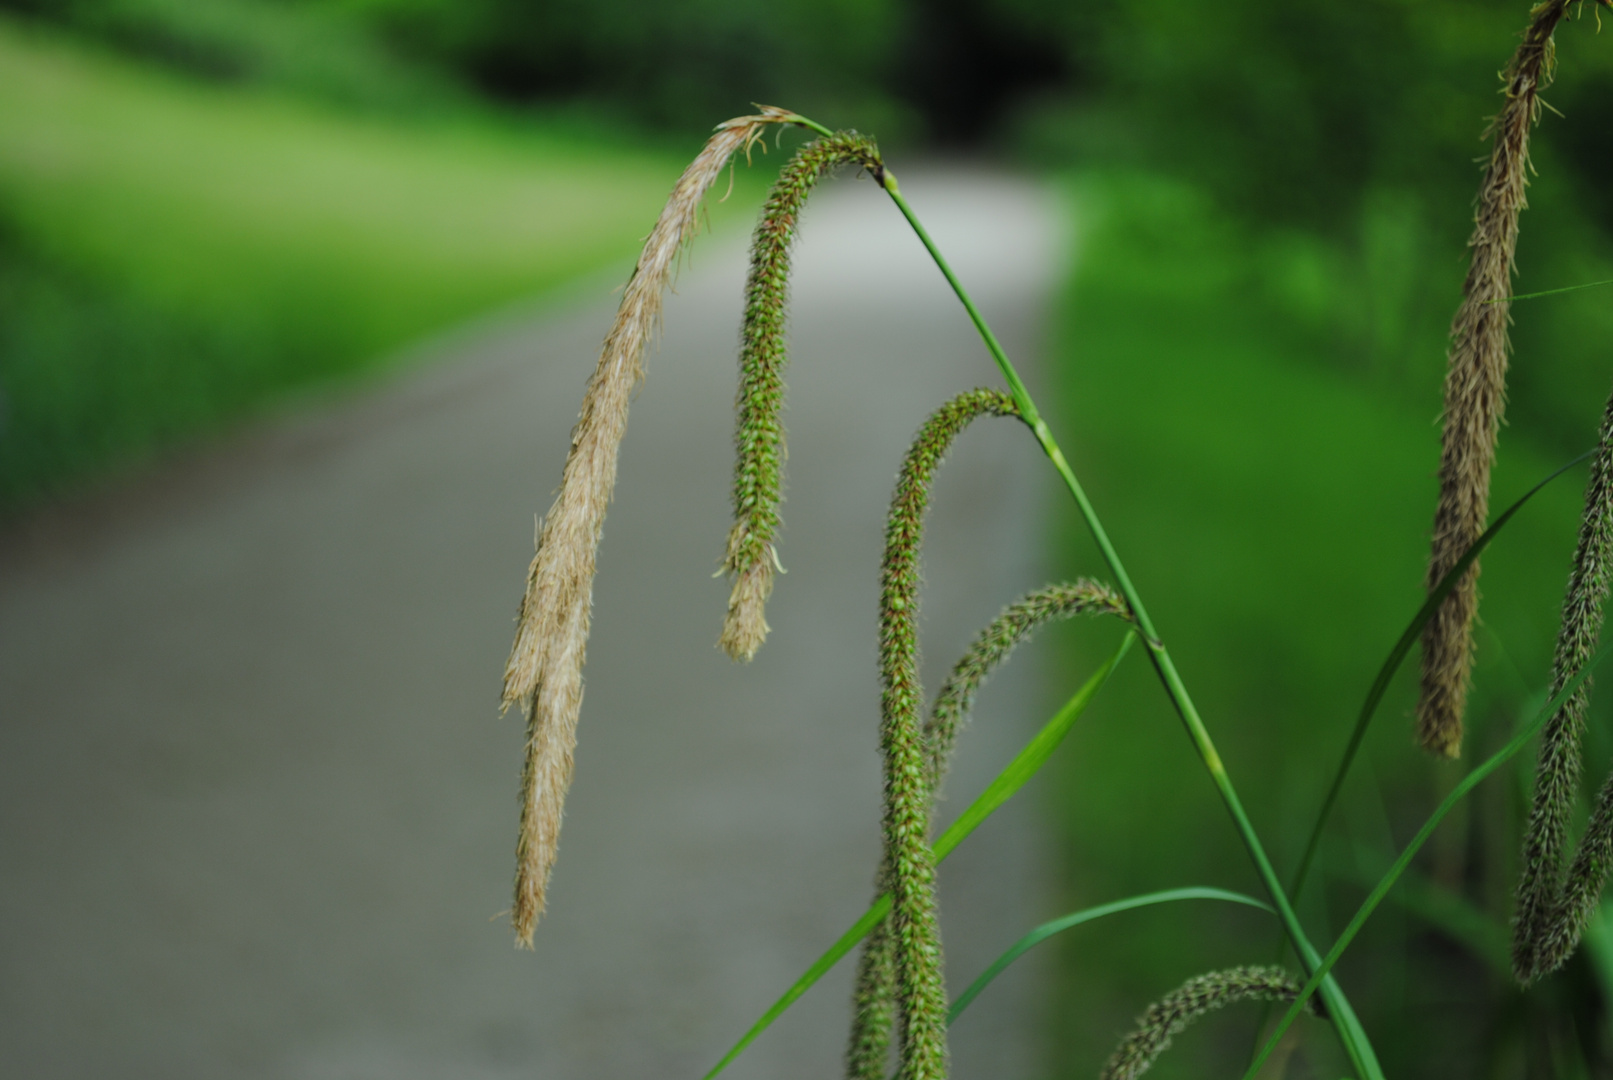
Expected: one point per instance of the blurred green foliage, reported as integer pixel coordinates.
(1342, 136)
(1287, 114)
(1276, 200)
(893, 66)
(1297, 114)
(318, 50)
(1271, 491)
(171, 260)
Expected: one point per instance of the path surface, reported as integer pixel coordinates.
(257, 806)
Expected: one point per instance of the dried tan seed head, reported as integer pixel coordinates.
(1475, 385)
(544, 671)
(745, 628)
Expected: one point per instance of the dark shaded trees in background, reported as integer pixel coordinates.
(1287, 113)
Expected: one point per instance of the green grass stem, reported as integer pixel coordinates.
(1387, 882)
(1457, 917)
(1013, 777)
(1480, 941)
(1067, 922)
(1351, 1034)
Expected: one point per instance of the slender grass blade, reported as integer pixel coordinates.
(1458, 918)
(1058, 926)
(999, 791)
(1387, 882)
(1397, 655)
(1551, 292)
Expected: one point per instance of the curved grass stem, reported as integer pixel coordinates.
(1074, 919)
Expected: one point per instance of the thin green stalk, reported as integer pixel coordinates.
(1351, 1035)
(1549, 292)
(1356, 1045)
(1370, 904)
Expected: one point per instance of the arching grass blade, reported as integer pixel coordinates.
(1058, 926)
(1452, 914)
(1397, 655)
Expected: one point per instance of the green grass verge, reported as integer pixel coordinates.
(1273, 508)
(174, 254)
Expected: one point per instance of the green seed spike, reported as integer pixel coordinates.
(991, 647)
(1552, 911)
(873, 998)
(759, 439)
(920, 992)
(871, 1001)
(1199, 995)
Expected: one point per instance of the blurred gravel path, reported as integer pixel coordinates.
(256, 802)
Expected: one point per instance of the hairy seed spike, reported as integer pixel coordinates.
(1170, 1016)
(750, 558)
(921, 1004)
(1475, 385)
(1552, 912)
(873, 997)
(875, 987)
(544, 671)
(992, 646)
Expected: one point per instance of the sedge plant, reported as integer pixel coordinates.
(900, 1013)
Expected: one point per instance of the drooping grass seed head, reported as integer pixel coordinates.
(996, 642)
(751, 557)
(1170, 1016)
(920, 991)
(1551, 910)
(873, 999)
(544, 671)
(1475, 385)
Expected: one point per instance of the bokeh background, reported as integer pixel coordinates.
(212, 208)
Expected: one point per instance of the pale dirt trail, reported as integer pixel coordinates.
(256, 802)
